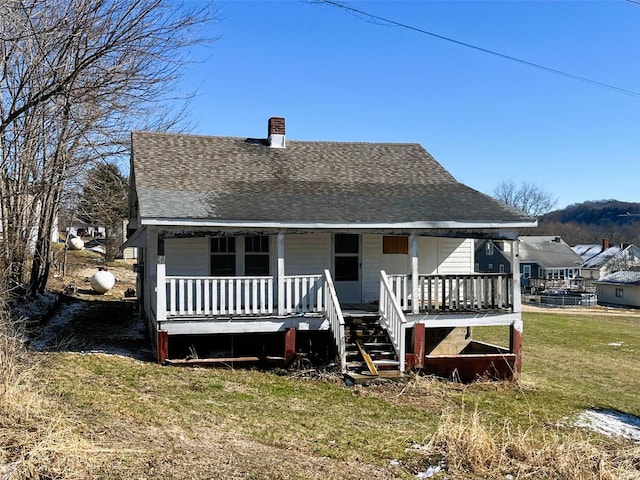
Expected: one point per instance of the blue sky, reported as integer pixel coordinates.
(337, 76)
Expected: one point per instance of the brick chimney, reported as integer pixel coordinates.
(276, 132)
(605, 244)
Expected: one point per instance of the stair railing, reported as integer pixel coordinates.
(335, 318)
(392, 318)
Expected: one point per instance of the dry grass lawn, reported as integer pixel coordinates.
(73, 413)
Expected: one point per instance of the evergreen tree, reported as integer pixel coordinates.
(103, 203)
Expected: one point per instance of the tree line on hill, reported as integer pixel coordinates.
(593, 221)
(578, 224)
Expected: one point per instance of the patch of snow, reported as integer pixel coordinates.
(50, 334)
(429, 472)
(394, 463)
(615, 344)
(39, 307)
(611, 423)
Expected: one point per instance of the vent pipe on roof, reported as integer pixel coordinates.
(276, 132)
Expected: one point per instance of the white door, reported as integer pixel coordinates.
(346, 267)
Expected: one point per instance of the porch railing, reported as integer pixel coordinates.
(195, 296)
(335, 318)
(401, 289)
(472, 292)
(248, 295)
(392, 318)
(303, 293)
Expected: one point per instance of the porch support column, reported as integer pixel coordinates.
(161, 289)
(281, 298)
(162, 346)
(419, 344)
(415, 303)
(518, 325)
(289, 344)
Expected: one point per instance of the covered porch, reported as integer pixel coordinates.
(283, 302)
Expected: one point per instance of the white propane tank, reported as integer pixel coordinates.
(103, 280)
(76, 243)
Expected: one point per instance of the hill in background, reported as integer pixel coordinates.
(593, 221)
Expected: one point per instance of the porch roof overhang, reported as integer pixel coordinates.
(480, 229)
(138, 239)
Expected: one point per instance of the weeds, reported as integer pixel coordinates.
(35, 442)
(469, 446)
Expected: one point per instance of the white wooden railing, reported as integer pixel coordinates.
(392, 318)
(335, 318)
(303, 294)
(401, 289)
(198, 296)
(459, 293)
(248, 295)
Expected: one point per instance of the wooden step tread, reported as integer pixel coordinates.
(386, 362)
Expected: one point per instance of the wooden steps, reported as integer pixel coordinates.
(369, 350)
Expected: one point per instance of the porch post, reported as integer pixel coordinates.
(162, 346)
(518, 326)
(161, 290)
(289, 344)
(419, 344)
(281, 298)
(415, 303)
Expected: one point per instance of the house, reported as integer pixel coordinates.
(490, 257)
(619, 289)
(600, 260)
(547, 262)
(260, 248)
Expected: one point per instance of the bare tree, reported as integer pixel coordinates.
(76, 76)
(526, 196)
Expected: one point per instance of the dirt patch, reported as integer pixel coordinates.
(85, 321)
(81, 265)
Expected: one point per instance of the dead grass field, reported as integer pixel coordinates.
(98, 408)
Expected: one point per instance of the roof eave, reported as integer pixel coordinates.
(419, 225)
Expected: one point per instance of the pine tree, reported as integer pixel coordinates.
(103, 203)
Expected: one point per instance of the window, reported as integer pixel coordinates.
(256, 255)
(491, 266)
(397, 245)
(502, 268)
(526, 271)
(620, 292)
(489, 247)
(223, 256)
(347, 257)
(347, 243)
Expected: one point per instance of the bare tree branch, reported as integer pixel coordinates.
(532, 199)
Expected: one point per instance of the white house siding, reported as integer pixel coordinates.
(445, 256)
(306, 254)
(607, 295)
(187, 256)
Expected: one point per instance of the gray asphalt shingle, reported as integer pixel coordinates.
(235, 179)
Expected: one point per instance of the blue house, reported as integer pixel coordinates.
(490, 257)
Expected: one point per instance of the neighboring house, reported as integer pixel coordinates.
(619, 289)
(273, 245)
(601, 260)
(490, 257)
(547, 262)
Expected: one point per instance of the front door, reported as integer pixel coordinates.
(346, 267)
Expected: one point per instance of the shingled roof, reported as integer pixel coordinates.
(193, 177)
(548, 252)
